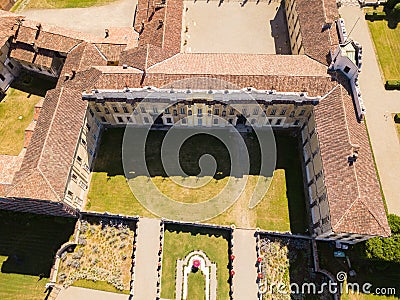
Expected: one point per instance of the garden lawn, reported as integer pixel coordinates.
(16, 112)
(282, 208)
(28, 244)
(34, 4)
(196, 286)
(179, 245)
(387, 47)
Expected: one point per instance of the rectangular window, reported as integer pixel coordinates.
(167, 111)
(199, 112)
(189, 112)
(184, 121)
(120, 120)
(255, 111)
(82, 185)
(291, 114)
(10, 65)
(146, 120)
(155, 109)
(278, 122)
(83, 142)
(346, 69)
(106, 111)
(223, 113)
(200, 122)
(296, 122)
(302, 112)
(2, 78)
(103, 119)
(88, 127)
(209, 112)
(231, 111)
(70, 194)
(169, 120)
(182, 111)
(283, 112)
(125, 109)
(175, 112)
(143, 109)
(270, 121)
(273, 112)
(216, 111)
(96, 108)
(215, 121)
(115, 109)
(74, 177)
(91, 112)
(129, 119)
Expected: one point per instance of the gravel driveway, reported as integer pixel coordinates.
(91, 20)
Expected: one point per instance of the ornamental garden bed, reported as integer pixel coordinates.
(103, 257)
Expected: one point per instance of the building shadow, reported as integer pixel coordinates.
(279, 32)
(31, 241)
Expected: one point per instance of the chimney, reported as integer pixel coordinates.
(73, 73)
(107, 32)
(39, 27)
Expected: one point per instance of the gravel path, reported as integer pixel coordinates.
(91, 20)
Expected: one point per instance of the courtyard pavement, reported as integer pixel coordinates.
(147, 248)
(74, 293)
(380, 105)
(245, 279)
(230, 27)
(91, 20)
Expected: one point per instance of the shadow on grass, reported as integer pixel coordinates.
(109, 160)
(31, 241)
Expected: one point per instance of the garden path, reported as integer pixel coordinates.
(245, 278)
(73, 293)
(147, 258)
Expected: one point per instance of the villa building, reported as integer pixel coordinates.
(103, 83)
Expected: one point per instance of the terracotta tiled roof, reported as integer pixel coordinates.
(313, 15)
(111, 52)
(162, 24)
(353, 191)
(41, 58)
(7, 22)
(240, 64)
(144, 56)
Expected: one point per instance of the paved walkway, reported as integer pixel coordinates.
(74, 293)
(245, 278)
(147, 247)
(380, 104)
(91, 20)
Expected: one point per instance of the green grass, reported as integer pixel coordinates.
(196, 286)
(27, 247)
(16, 112)
(387, 47)
(179, 245)
(281, 209)
(98, 285)
(65, 3)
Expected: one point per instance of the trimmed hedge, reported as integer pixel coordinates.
(392, 85)
(375, 16)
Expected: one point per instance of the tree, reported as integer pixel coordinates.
(396, 12)
(386, 249)
(390, 4)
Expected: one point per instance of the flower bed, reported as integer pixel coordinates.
(103, 253)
